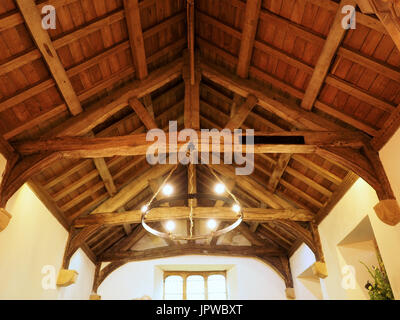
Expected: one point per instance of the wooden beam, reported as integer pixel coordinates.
(76, 240)
(192, 93)
(191, 37)
(250, 24)
(279, 169)
(132, 14)
(137, 144)
(143, 113)
(300, 232)
(242, 113)
(178, 213)
(42, 39)
(190, 249)
(332, 43)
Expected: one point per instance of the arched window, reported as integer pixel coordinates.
(173, 288)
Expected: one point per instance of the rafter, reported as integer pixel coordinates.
(332, 43)
(132, 13)
(76, 240)
(34, 22)
(251, 16)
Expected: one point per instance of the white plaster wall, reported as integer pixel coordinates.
(347, 214)
(248, 279)
(301, 260)
(390, 236)
(82, 289)
(32, 240)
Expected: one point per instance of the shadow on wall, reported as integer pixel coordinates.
(358, 246)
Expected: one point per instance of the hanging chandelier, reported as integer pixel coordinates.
(191, 197)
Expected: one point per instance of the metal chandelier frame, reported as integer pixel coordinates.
(191, 196)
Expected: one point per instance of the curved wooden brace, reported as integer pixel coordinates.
(22, 171)
(367, 164)
(273, 262)
(300, 233)
(75, 240)
(364, 166)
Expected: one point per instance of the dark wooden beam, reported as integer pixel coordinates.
(180, 213)
(192, 92)
(137, 144)
(240, 251)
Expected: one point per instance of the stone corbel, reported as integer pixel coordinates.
(5, 218)
(66, 277)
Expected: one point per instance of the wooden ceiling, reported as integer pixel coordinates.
(117, 68)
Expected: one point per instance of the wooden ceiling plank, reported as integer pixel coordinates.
(295, 115)
(42, 39)
(18, 62)
(318, 169)
(128, 242)
(332, 43)
(302, 194)
(336, 82)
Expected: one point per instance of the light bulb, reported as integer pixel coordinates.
(211, 224)
(170, 226)
(168, 190)
(219, 188)
(144, 209)
(236, 208)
